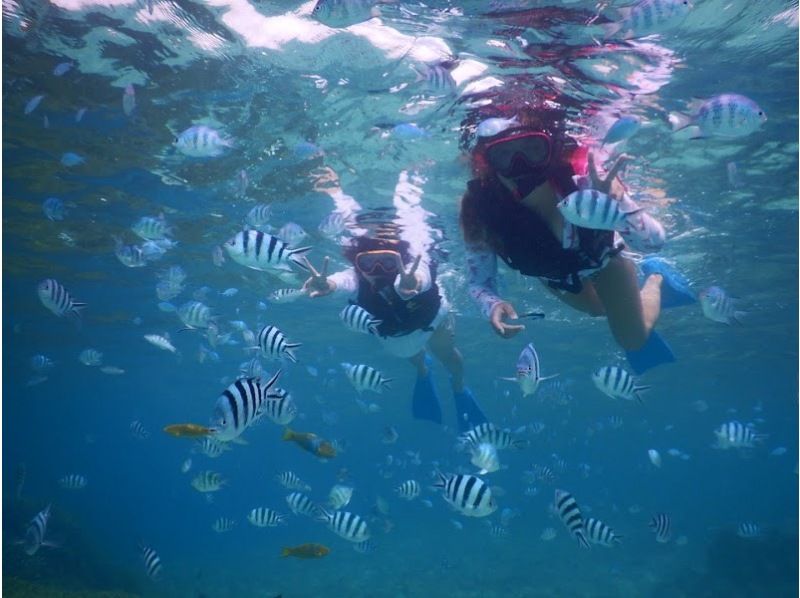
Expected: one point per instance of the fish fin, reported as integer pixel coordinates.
(679, 121)
(582, 540)
(285, 552)
(507, 378)
(271, 382)
(520, 444)
(322, 514)
(290, 355)
(550, 377)
(738, 317)
(387, 383)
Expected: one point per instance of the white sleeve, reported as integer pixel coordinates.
(482, 278)
(346, 281)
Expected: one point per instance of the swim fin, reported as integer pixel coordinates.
(425, 402)
(468, 413)
(654, 352)
(675, 290)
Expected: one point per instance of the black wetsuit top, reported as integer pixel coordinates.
(399, 317)
(528, 245)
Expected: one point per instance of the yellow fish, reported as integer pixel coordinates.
(306, 551)
(187, 430)
(311, 443)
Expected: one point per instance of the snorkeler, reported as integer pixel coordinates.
(510, 210)
(401, 292)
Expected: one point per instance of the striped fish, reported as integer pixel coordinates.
(131, 256)
(264, 517)
(409, 490)
(364, 377)
(291, 481)
(719, 307)
(737, 435)
(291, 233)
(647, 17)
(73, 481)
(348, 525)
(151, 228)
(497, 531)
(208, 481)
(261, 251)
(724, 115)
(437, 78)
(90, 357)
(599, 533)
(593, 209)
(195, 314)
(333, 224)
(300, 504)
(543, 473)
(152, 562)
(529, 374)
(211, 447)
(339, 496)
(617, 383)
(280, 407)
(285, 295)
(358, 319)
(748, 529)
(273, 344)
(487, 432)
(223, 524)
(468, 494)
(259, 215)
(484, 457)
(56, 298)
(138, 430)
(660, 524)
(567, 509)
(34, 535)
(201, 141)
(365, 547)
(239, 406)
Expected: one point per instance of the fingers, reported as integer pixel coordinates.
(324, 267)
(618, 165)
(311, 268)
(414, 266)
(509, 310)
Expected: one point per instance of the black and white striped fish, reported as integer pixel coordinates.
(239, 406)
(359, 319)
(487, 432)
(543, 473)
(152, 562)
(718, 306)
(593, 209)
(261, 251)
(660, 524)
(528, 372)
(208, 481)
(497, 530)
(567, 509)
(748, 529)
(364, 377)
(409, 490)
(599, 533)
(273, 344)
(73, 481)
(339, 496)
(737, 435)
(348, 525)
(285, 295)
(222, 525)
(212, 447)
(365, 547)
(280, 407)
(151, 228)
(264, 517)
(437, 78)
(300, 504)
(291, 481)
(55, 297)
(468, 494)
(259, 215)
(34, 534)
(617, 383)
(195, 314)
(138, 430)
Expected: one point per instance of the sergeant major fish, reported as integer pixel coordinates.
(660, 524)
(468, 494)
(201, 141)
(618, 383)
(719, 307)
(358, 319)
(529, 374)
(347, 525)
(261, 251)
(567, 509)
(208, 481)
(239, 406)
(724, 115)
(56, 298)
(273, 344)
(594, 209)
(598, 532)
(35, 534)
(364, 377)
(264, 517)
(339, 496)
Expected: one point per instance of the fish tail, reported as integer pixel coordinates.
(288, 434)
(297, 253)
(582, 540)
(679, 121)
(285, 552)
(387, 383)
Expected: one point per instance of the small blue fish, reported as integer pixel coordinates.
(624, 128)
(54, 209)
(129, 100)
(781, 450)
(229, 292)
(409, 131)
(494, 126)
(62, 68)
(72, 159)
(33, 103)
(305, 150)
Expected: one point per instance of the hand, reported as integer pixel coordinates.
(499, 311)
(604, 184)
(325, 180)
(318, 284)
(409, 285)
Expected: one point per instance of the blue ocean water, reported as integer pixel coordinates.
(291, 96)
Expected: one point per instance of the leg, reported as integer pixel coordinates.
(418, 361)
(586, 301)
(442, 345)
(631, 314)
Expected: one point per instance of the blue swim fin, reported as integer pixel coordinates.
(654, 352)
(675, 291)
(425, 402)
(468, 413)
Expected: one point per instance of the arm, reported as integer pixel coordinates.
(413, 221)
(482, 278)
